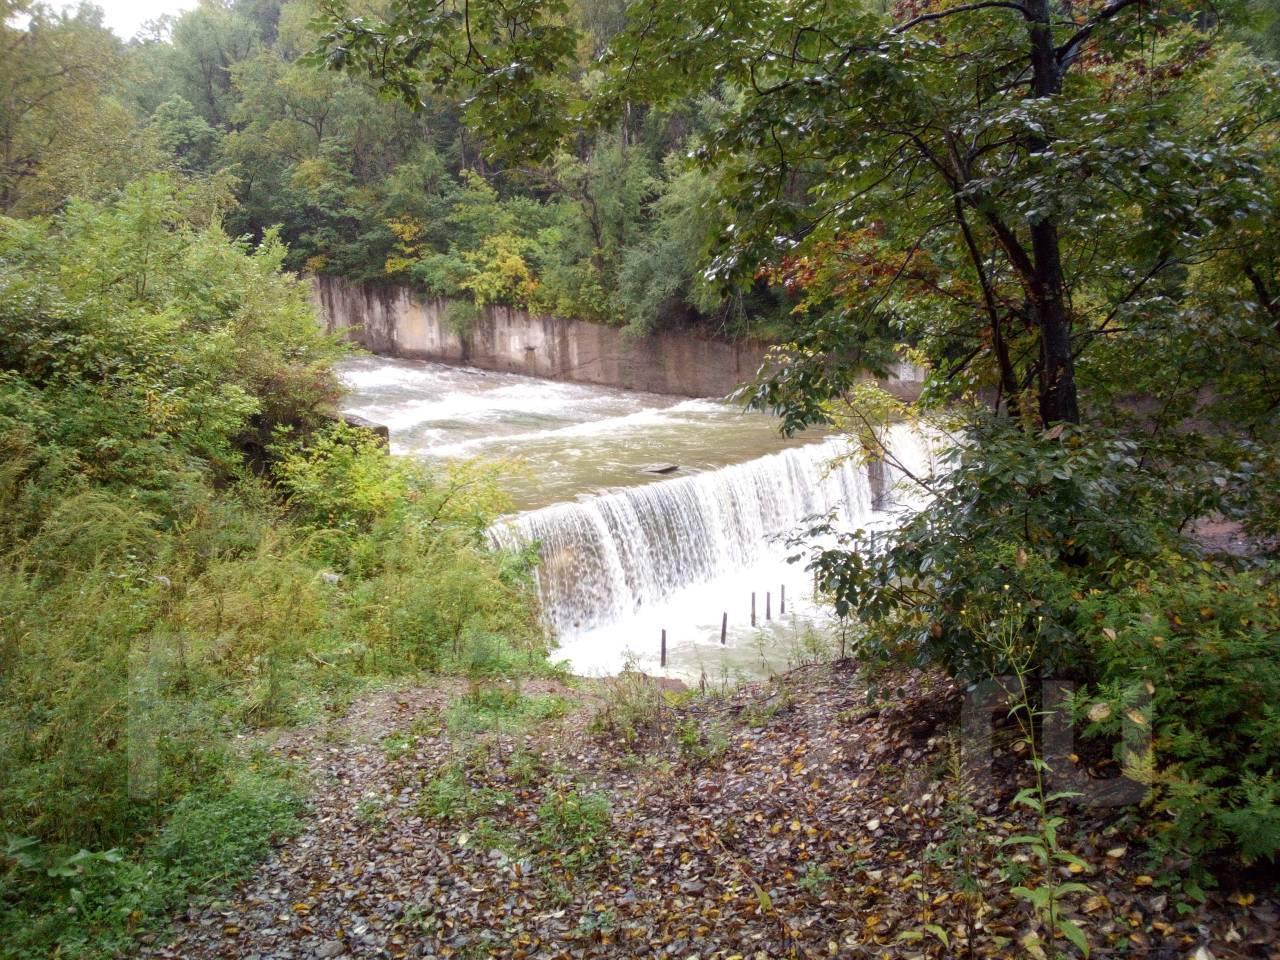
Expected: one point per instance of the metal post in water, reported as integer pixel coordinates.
(753, 608)
(768, 605)
(664, 647)
(724, 626)
(782, 607)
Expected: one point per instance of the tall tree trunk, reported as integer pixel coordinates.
(1057, 370)
(1058, 401)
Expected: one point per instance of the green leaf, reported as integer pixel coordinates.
(1030, 839)
(1062, 795)
(1063, 889)
(1027, 797)
(1037, 897)
(762, 896)
(1073, 933)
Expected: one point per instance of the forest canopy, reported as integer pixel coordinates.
(358, 185)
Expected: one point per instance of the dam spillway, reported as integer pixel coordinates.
(628, 554)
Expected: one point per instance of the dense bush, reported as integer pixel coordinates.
(1074, 543)
(1193, 650)
(159, 596)
(1013, 516)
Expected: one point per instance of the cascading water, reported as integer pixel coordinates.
(686, 556)
(608, 556)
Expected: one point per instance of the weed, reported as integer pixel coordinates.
(1044, 893)
(398, 744)
(758, 713)
(815, 879)
(448, 796)
(525, 768)
(371, 810)
(94, 902)
(701, 744)
(634, 707)
(502, 708)
(602, 921)
(965, 844)
(573, 823)
(488, 835)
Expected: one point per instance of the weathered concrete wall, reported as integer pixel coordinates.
(396, 321)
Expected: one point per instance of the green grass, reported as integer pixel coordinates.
(449, 796)
(94, 904)
(504, 709)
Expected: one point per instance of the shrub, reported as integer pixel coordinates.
(1194, 651)
(574, 823)
(92, 903)
(157, 596)
(1014, 517)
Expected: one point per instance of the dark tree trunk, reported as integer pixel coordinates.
(1058, 400)
(1057, 371)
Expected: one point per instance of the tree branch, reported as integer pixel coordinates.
(963, 8)
(1269, 303)
(1068, 52)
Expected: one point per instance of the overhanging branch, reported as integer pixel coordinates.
(1068, 52)
(963, 8)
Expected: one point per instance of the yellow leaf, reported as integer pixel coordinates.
(1096, 903)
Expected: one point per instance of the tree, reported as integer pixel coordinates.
(57, 128)
(184, 135)
(206, 43)
(1066, 210)
(1265, 33)
(957, 175)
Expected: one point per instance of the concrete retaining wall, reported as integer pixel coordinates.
(396, 321)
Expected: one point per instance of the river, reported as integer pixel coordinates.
(629, 553)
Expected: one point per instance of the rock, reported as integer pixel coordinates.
(379, 430)
(328, 950)
(661, 468)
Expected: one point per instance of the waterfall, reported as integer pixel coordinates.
(606, 557)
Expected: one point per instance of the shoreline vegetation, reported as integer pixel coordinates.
(190, 552)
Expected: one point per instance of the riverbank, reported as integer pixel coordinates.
(811, 815)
